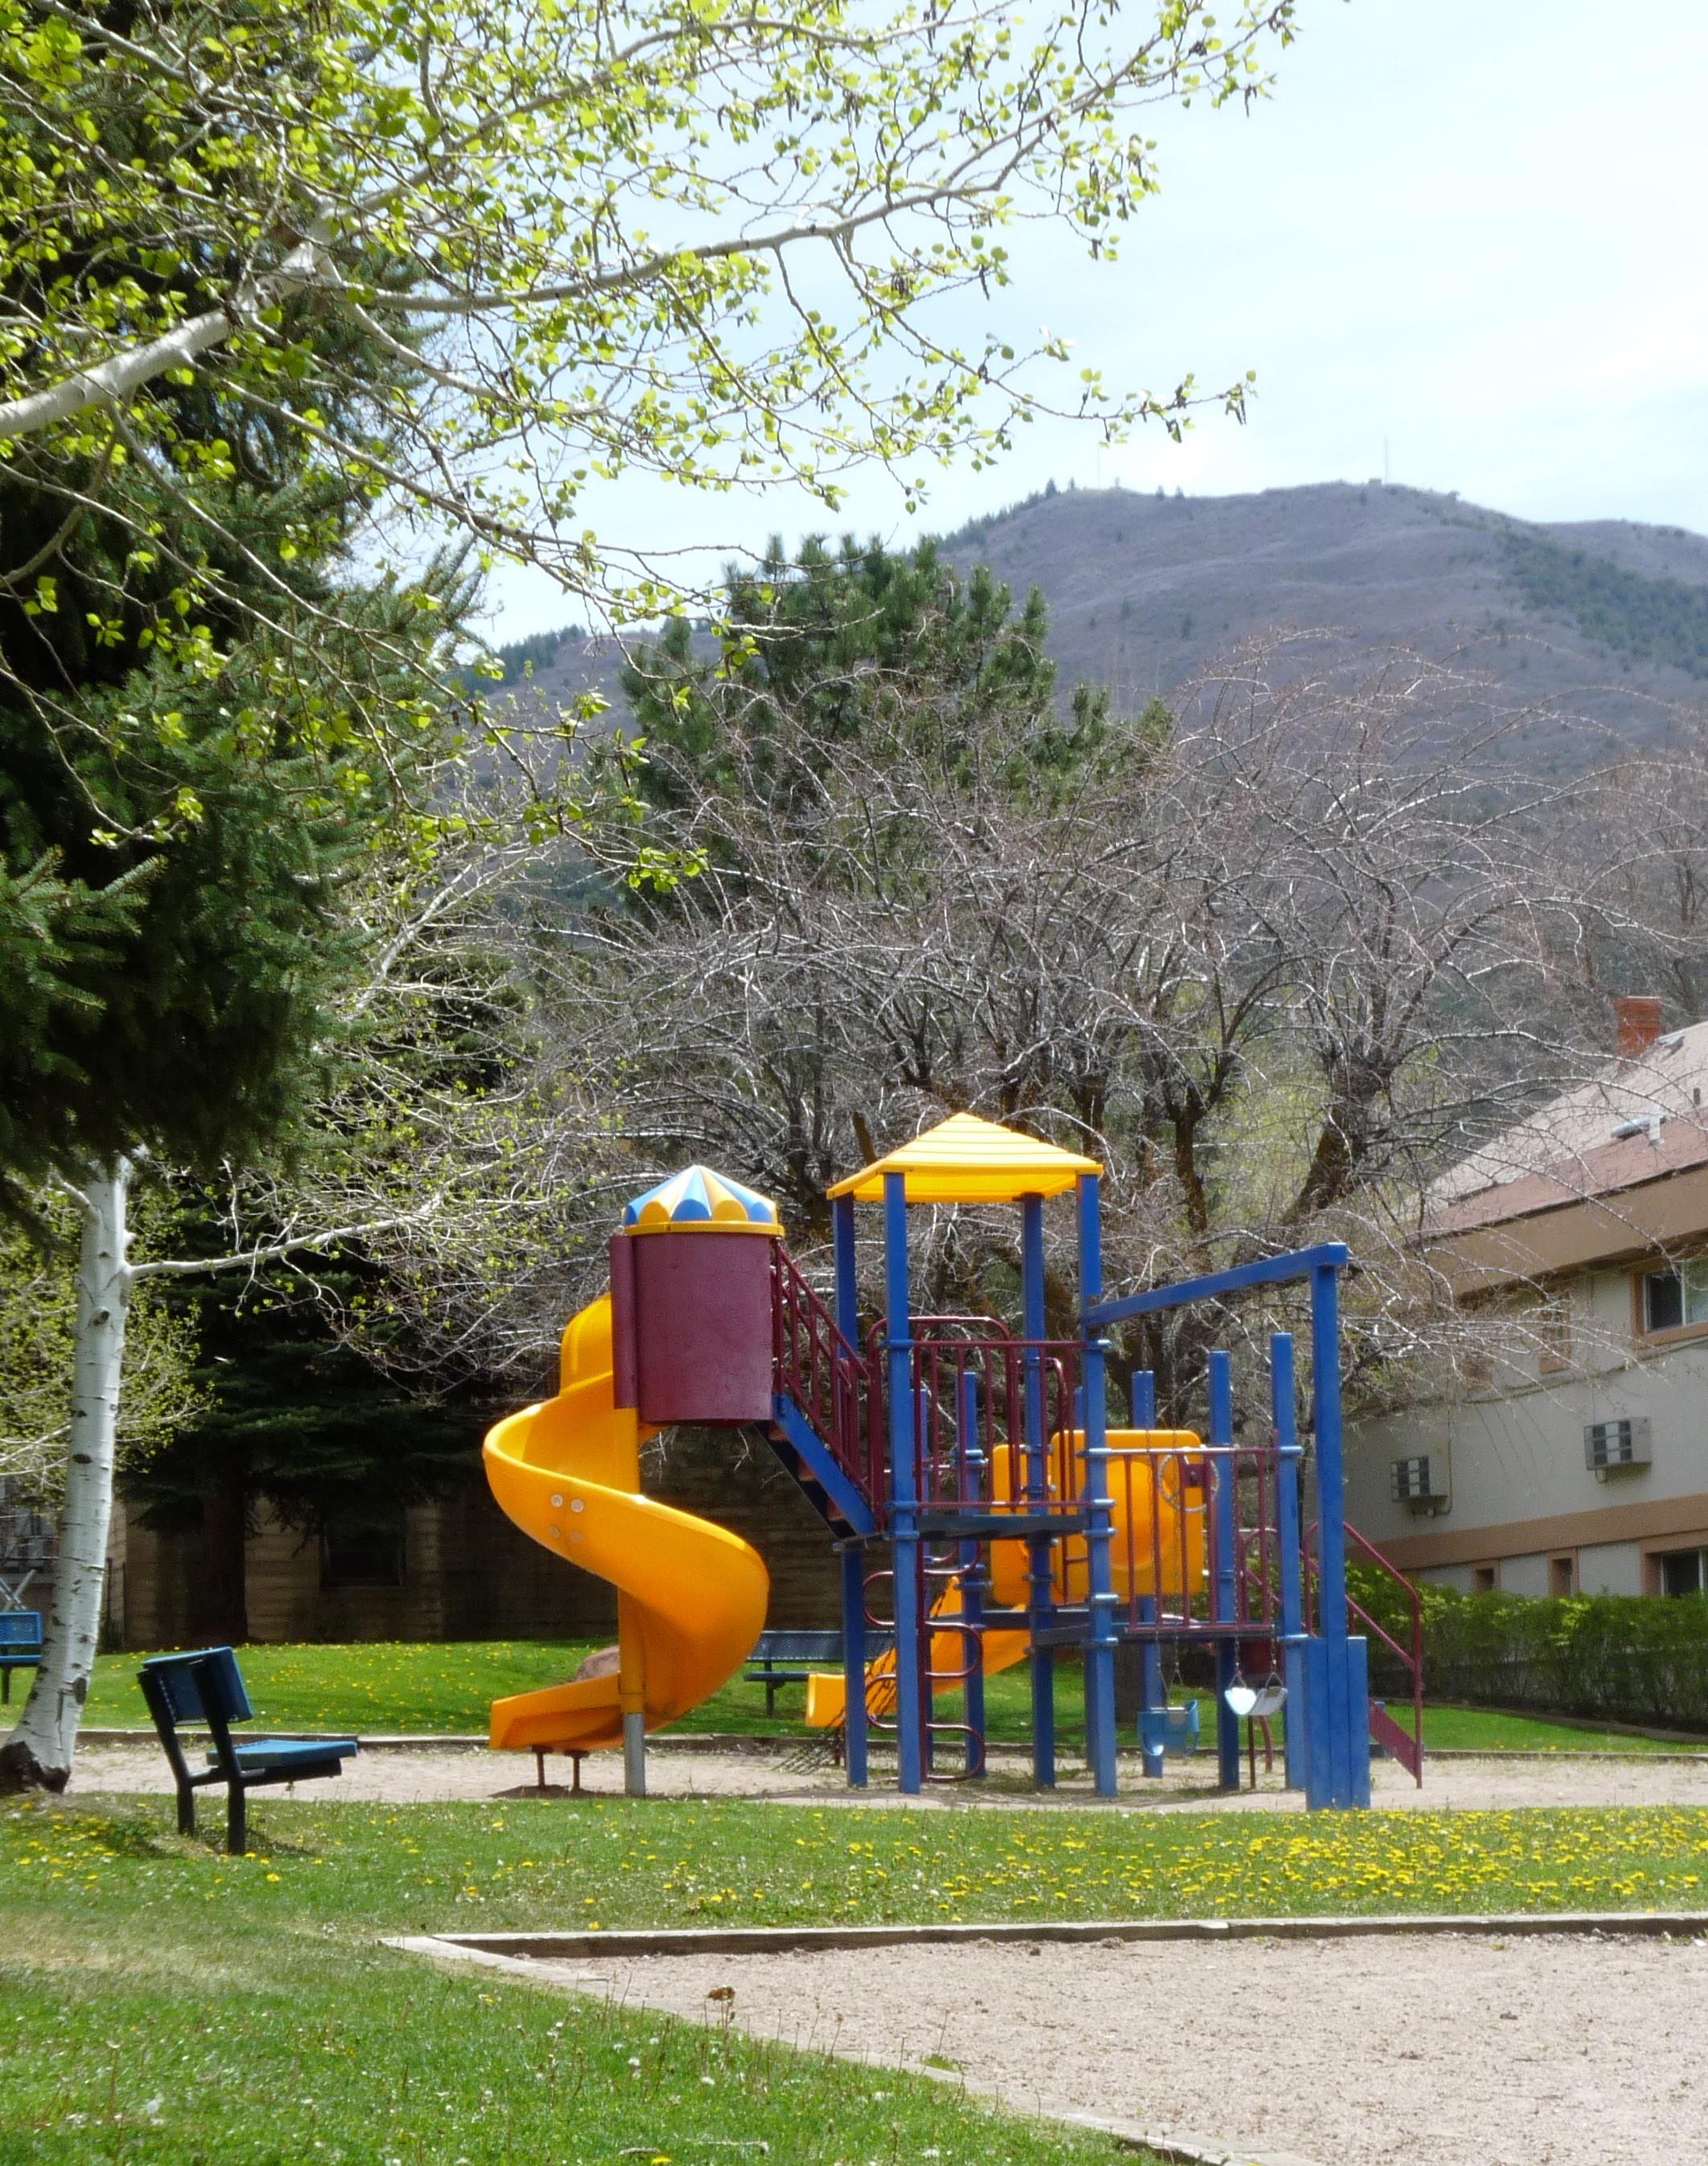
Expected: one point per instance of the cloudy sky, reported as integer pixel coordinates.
(1464, 240)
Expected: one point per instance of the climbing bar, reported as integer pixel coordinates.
(1267, 1270)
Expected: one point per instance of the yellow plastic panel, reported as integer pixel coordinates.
(966, 1160)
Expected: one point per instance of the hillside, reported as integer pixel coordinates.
(1605, 620)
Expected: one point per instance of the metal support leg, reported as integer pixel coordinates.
(634, 1752)
(1040, 1577)
(1289, 1540)
(1338, 1734)
(1153, 1693)
(1224, 1568)
(854, 1661)
(972, 1577)
(904, 1489)
(1100, 1594)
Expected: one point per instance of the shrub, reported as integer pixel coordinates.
(1612, 1657)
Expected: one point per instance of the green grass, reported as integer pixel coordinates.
(1486, 1730)
(162, 2002)
(166, 2003)
(447, 1687)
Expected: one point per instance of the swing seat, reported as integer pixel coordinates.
(1255, 1702)
(1168, 1730)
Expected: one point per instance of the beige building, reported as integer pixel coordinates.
(1574, 1458)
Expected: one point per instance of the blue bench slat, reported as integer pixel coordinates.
(277, 1752)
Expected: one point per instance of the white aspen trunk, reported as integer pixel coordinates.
(38, 1754)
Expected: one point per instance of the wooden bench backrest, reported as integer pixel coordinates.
(181, 1688)
(20, 1628)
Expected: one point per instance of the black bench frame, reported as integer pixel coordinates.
(207, 1685)
(20, 1644)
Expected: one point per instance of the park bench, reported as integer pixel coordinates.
(20, 1644)
(207, 1686)
(790, 1658)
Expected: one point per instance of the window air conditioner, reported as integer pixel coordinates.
(1609, 1445)
(1421, 1482)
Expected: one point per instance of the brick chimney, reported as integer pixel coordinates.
(1639, 1019)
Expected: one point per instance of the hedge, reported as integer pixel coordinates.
(1612, 1657)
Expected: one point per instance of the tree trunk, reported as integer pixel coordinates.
(38, 1754)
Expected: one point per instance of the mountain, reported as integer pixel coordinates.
(1602, 620)
(1605, 619)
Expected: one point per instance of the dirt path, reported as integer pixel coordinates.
(1395, 2052)
(420, 1777)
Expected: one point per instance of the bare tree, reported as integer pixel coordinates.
(1273, 969)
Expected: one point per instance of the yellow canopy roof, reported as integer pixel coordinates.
(966, 1160)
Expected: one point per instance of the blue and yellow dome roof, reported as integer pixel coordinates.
(698, 1196)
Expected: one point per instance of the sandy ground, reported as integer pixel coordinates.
(1449, 2051)
(418, 1778)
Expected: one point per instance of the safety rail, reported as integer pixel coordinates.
(826, 1377)
(1167, 1502)
(992, 1417)
(1405, 1745)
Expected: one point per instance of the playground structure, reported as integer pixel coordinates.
(1017, 1521)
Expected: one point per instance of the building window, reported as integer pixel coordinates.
(1554, 1335)
(1484, 1578)
(363, 1547)
(1672, 1299)
(1682, 1571)
(1563, 1576)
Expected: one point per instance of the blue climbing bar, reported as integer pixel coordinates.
(1040, 1551)
(904, 1500)
(1104, 1628)
(1289, 1539)
(1224, 1563)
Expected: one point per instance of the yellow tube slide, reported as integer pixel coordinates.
(691, 1596)
(1134, 1499)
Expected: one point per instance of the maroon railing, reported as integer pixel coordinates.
(1406, 1745)
(815, 1366)
(971, 1391)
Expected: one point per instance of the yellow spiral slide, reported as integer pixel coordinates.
(691, 1596)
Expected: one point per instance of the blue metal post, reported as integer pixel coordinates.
(1105, 1627)
(1142, 1392)
(853, 1558)
(1289, 1532)
(1337, 1734)
(1224, 1567)
(972, 1585)
(848, 1307)
(904, 1490)
(1041, 1592)
(854, 1660)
